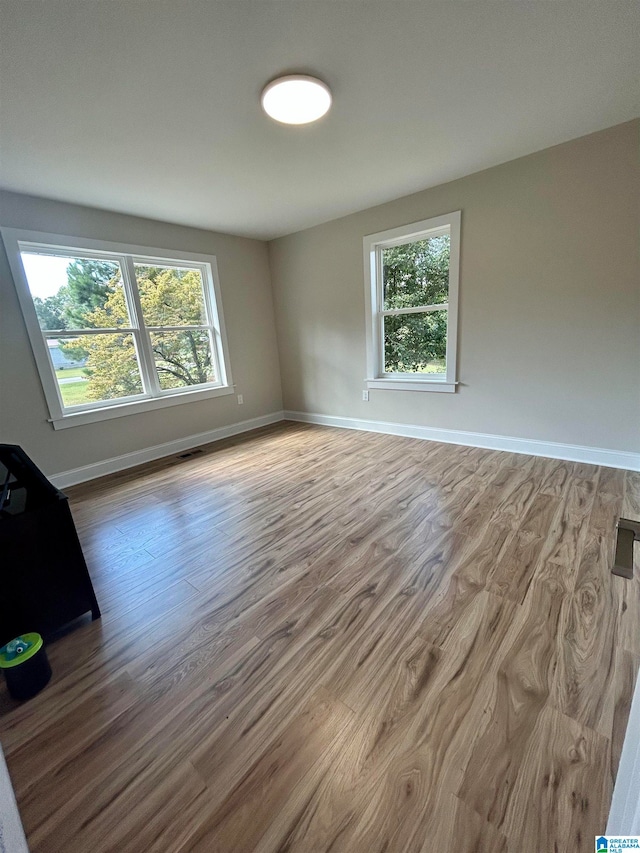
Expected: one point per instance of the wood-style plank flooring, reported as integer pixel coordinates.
(322, 640)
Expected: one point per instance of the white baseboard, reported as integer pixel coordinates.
(571, 452)
(148, 454)
(532, 447)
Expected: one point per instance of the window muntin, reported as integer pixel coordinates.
(411, 287)
(103, 359)
(173, 304)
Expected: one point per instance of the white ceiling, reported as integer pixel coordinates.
(152, 107)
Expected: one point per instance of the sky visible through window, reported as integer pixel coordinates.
(46, 274)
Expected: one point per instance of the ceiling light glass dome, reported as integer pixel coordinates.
(296, 99)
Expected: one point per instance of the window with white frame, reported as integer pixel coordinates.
(411, 281)
(117, 329)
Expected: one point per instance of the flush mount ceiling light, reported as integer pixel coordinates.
(296, 99)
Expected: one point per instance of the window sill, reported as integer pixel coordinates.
(88, 416)
(412, 385)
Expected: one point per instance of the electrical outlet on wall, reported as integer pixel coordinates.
(240, 399)
(365, 396)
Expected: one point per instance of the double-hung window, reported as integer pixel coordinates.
(411, 282)
(117, 329)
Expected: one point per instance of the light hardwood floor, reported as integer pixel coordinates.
(323, 640)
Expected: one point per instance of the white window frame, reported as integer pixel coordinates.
(153, 397)
(373, 247)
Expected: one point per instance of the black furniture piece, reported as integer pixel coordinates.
(44, 581)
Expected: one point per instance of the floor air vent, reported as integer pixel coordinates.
(190, 453)
(627, 533)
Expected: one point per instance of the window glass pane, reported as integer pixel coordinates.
(171, 296)
(76, 293)
(182, 358)
(90, 368)
(416, 274)
(415, 343)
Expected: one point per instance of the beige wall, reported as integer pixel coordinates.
(549, 334)
(248, 311)
(549, 341)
